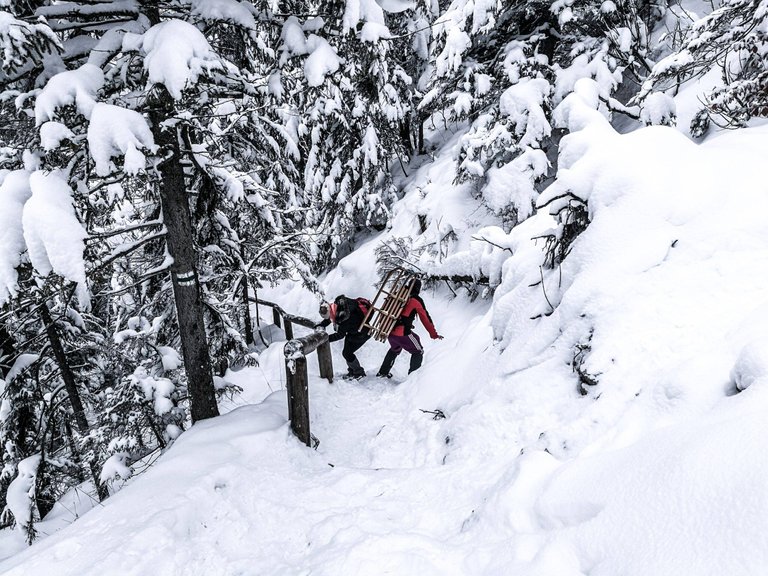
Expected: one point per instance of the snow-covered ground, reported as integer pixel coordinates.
(658, 469)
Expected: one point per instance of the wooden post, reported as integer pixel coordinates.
(289, 370)
(325, 361)
(305, 345)
(297, 381)
(276, 317)
(298, 400)
(288, 329)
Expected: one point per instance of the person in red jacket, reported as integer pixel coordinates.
(403, 337)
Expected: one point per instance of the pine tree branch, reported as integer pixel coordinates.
(125, 250)
(92, 235)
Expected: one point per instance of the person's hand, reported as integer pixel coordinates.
(320, 327)
(438, 337)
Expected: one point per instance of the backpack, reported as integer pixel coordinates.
(343, 305)
(364, 305)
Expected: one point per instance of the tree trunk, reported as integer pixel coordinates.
(420, 144)
(8, 353)
(70, 385)
(405, 134)
(247, 324)
(186, 289)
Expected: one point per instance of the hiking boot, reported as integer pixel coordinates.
(354, 375)
(381, 375)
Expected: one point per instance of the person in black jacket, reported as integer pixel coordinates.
(347, 315)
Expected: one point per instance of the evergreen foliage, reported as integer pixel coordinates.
(732, 38)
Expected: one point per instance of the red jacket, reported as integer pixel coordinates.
(414, 306)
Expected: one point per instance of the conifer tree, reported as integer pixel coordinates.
(733, 39)
(136, 118)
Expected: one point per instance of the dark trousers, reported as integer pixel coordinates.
(352, 343)
(411, 344)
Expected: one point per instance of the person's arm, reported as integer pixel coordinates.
(336, 336)
(342, 328)
(425, 318)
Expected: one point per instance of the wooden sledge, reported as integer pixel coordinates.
(388, 304)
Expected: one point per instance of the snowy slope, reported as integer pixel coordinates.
(657, 470)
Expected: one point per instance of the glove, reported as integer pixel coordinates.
(438, 337)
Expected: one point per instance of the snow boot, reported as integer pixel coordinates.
(355, 373)
(416, 360)
(386, 365)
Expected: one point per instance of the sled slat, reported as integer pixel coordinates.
(388, 304)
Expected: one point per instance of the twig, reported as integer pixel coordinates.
(543, 289)
(437, 414)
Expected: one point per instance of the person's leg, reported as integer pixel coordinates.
(412, 344)
(416, 360)
(389, 360)
(386, 365)
(352, 344)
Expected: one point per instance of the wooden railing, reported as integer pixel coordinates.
(296, 351)
(280, 317)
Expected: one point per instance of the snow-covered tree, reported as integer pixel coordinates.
(133, 205)
(732, 38)
(352, 97)
(496, 74)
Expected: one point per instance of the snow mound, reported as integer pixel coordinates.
(52, 134)
(176, 54)
(115, 131)
(73, 87)
(321, 58)
(53, 234)
(227, 10)
(751, 365)
(14, 193)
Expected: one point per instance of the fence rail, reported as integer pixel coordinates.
(297, 380)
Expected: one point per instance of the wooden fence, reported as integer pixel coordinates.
(296, 351)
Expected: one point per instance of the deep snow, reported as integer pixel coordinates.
(657, 470)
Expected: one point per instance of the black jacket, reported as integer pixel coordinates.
(350, 326)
